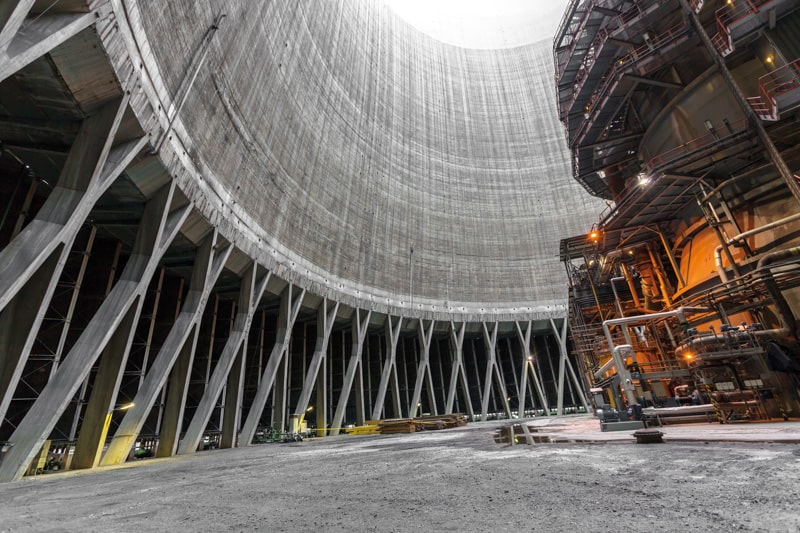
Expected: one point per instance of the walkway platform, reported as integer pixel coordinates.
(587, 429)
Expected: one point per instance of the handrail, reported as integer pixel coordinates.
(781, 80)
(773, 84)
(622, 65)
(603, 34)
(692, 145)
(729, 14)
(589, 6)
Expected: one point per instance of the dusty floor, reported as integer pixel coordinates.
(452, 480)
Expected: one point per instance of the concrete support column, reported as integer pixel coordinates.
(423, 370)
(233, 399)
(359, 327)
(12, 15)
(458, 374)
(31, 264)
(492, 371)
(565, 363)
(524, 336)
(289, 308)
(177, 389)
(280, 395)
(389, 369)
(181, 340)
(21, 45)
(250, 293)
(326, 316)
(100, 407)
(156, 233)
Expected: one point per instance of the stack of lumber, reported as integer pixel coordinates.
(441, 421)
(422, 423)
(397, 425)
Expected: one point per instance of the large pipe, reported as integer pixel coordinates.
(712, 338)
(777, 256)
(631, 285)
(624, 375)
(723, 276)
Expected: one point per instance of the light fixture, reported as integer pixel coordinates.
(770, 59)
(642, 179)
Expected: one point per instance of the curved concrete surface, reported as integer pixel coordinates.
(356, 156)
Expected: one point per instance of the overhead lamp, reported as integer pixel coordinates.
(769, 59)
(601, 174)
(642, 179)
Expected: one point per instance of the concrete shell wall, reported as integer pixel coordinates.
(342, 138)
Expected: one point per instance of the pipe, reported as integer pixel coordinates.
(672, 260)
(777, 256)
(616, 295)
(631, 285)
(666, 289)
(711, 338)
(621, 370)
(784, 310)
(723, 276)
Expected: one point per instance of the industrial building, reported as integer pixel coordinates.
(224, 219)
(683, 116)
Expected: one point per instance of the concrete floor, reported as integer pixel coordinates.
(452, 480)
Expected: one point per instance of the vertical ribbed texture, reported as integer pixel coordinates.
(351, 137)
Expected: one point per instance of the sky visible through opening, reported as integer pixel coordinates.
(483, 23)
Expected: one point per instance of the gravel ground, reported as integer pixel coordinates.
(451, 480)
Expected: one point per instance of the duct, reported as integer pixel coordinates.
(723, 276)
